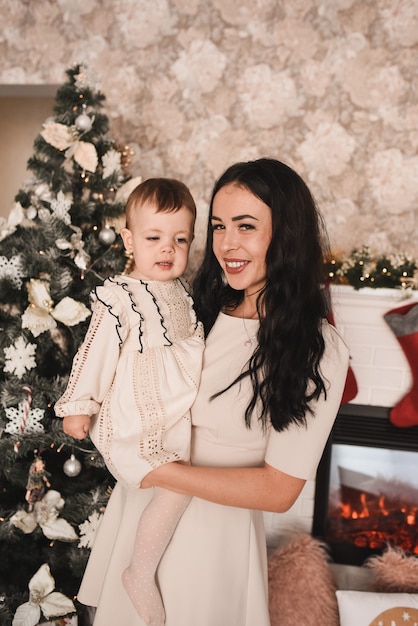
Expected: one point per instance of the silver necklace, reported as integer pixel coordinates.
(250, 338)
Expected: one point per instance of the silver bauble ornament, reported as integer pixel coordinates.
(72, 466)
(83, 122)
(107, 236)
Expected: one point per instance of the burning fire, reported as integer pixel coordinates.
(369, 519)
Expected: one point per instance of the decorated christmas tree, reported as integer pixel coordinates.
(60, 240)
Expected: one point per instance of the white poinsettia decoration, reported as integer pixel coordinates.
(85, 154)
(60, 207)
(88, 530)
(58, 135)
(45, 514)
(42, 597)
(41, 315)
(19, 357)
(76, 247)
(111, 163)
(64, 137)
(43, 192)
(23, 420)
(8, 226)
(12, 270)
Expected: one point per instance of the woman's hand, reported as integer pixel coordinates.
(76, 426)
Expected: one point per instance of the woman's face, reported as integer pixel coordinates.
(242, 230)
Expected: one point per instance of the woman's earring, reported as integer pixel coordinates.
(224, 280)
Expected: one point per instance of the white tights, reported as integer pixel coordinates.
(155, 529)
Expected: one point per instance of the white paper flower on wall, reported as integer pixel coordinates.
(199, 68)
(267, 96)
(327, 150)
(393, 177)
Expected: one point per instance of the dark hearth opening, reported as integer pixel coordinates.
(366, 492)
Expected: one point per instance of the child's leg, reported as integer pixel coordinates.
(155, 529)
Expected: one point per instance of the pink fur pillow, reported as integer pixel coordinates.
(301, 584)
(394, 571)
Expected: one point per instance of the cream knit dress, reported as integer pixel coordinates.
(136, 374)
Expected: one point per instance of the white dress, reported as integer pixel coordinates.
(214, 572)
(136, 374)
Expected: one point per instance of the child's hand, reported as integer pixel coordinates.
(76, 426)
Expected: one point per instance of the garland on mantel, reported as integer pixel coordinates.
(362, 269)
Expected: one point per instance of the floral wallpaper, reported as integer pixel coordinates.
(329, 86)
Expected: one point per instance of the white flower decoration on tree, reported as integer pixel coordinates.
(46, 514)
(111, 163)
(64, 137)
(23, 420)
(84, 154)
(61, 207)
(20, 357)
(58, 135)
(88, 530)
(42, 597)
(41, 314)
(76, 246)
(8, 226)
(43, 192)
(12, 270)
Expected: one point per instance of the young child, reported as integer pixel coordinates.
(136, 374)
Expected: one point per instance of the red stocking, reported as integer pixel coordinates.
(351, 388)
(403, 321)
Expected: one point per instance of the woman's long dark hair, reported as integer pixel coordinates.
(284, 368)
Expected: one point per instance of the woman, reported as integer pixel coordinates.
(272, 381)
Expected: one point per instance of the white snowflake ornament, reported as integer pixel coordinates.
(111, 163)
(61, 207)
(20, 357)
(88, 530)
(23, 420)
(12, 270)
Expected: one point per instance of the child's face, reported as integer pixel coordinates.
(160, 242)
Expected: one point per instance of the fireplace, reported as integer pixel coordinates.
(366, 490)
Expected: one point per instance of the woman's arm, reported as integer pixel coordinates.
(263, 488)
